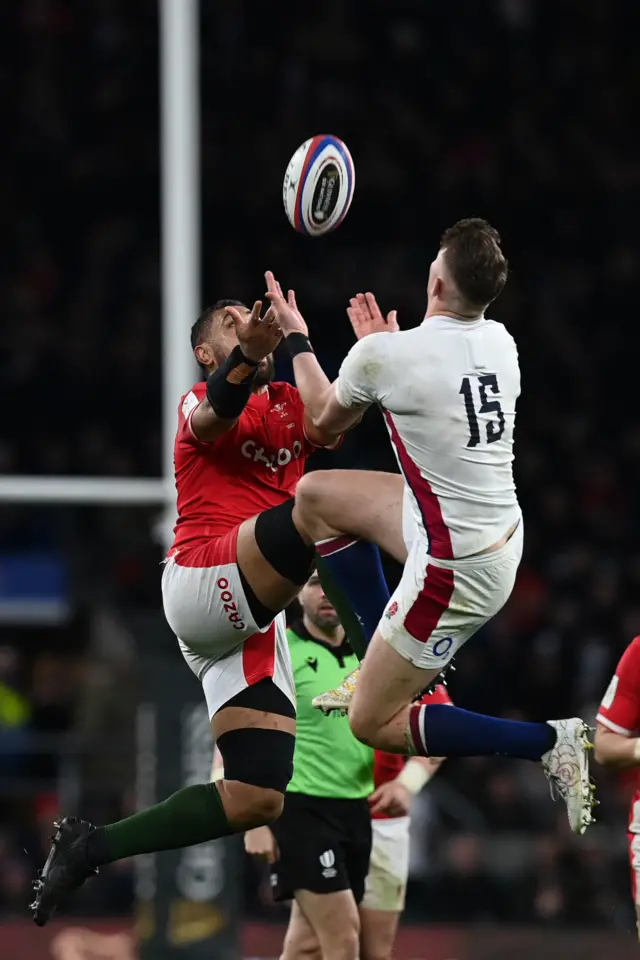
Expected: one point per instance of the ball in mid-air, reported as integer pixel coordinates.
(318, 185)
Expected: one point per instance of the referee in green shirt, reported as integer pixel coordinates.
(319, 848)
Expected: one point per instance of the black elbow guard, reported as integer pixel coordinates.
(229, 387)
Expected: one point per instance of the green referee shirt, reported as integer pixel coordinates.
(328, 760)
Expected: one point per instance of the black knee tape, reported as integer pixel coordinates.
(265, 696)
(261, 758)
(282, 546)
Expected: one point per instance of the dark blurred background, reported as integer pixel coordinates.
(519, 111)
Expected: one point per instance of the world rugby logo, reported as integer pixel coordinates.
(327, 861)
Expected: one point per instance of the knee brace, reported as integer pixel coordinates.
(259, 757)
(254, 755)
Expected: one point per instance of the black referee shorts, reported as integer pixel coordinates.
(325, 845)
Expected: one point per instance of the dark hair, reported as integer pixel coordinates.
(477, 264)
(199, 329)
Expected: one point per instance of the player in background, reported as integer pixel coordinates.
(343, 837)
(617, 745)
(237, 560)
(448, 391)
(397, 781)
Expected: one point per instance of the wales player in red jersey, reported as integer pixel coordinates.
(617, 744)
(237, 560)
(397, 780)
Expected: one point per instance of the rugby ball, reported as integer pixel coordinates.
(318, 185)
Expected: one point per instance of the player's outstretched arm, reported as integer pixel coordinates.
(229, 387)
(362, 376)
(325, 420)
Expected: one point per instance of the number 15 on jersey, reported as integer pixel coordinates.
(476, 392)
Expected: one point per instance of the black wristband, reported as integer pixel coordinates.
(298, 343)
(229, 387)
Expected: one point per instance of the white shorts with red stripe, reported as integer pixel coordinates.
(206, 608)
(440, 604)
(386, 884)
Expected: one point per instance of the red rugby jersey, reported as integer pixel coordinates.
(254, 466)
(387, 766)
(620, 707)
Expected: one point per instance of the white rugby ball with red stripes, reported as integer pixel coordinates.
(318, 185)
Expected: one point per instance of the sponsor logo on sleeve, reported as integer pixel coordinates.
(610, 695)
(189, 403)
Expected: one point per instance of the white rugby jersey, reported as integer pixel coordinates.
(448, 392)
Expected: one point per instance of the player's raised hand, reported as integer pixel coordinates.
(286, 310)
(258, 336)
(366, 317)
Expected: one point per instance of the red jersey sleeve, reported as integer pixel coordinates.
(188, 404)
(620, 707)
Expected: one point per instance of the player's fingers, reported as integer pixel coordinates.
(359, 305)
(363, 306)
(392, 320)
(272, 283)
(291, 300)
(373, 307)
(270, 316)
(254, 318)
(356, 320)
(238, 319)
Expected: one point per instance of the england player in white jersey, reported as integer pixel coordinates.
(447, 390)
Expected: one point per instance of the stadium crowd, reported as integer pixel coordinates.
(517, 111)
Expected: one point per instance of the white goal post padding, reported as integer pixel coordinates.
(86, 490)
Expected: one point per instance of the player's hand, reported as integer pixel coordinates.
(392, 799)
(286, 310)
(258, 336)
(261, 843)
(366, 317)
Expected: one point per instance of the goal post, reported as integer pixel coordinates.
(187, 901)
(97, 491)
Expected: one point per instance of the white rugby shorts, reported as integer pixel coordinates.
(439, 604)
(386, 884)
(205, 606)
